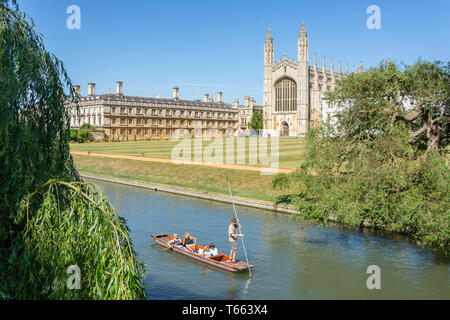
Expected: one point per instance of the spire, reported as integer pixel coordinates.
(340, 69)
(303, 45)
(315, 61)
(332, 66)
(269, 36)
(346, 68)
(268, 49)
(323, 64)
(303, 33)
(360, 68)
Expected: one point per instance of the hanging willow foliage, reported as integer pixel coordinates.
(45, 227)
(76, 226)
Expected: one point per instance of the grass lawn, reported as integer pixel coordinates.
(290, 150)
(248, 184)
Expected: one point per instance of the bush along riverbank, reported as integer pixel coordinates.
(382, 162)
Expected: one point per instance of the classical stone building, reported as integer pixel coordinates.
(246, 112)
(294, 90)
(127, 118)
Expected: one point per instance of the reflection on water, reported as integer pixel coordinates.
(293, 259)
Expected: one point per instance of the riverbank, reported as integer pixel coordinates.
(250, 188)
(220, 197)
(210, 180)
(209, 196)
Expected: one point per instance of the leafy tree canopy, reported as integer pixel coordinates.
(383, 162)
(256, 123)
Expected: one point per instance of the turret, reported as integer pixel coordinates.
(268, 50)
(268, 69)
(302, 84)
(303, 44)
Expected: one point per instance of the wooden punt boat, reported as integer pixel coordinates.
(220, 261)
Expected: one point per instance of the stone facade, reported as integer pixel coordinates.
(246, 113)
(126, 118)
(294, 91)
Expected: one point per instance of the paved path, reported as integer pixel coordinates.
(208, 164)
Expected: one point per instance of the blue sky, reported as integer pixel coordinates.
(204, 46)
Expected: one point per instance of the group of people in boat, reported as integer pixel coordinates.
(189, 242)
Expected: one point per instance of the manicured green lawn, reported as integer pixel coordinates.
(290, 150)
(248, 184)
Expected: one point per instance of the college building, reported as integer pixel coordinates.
(128, 118)
(294, 90)
(293, 103)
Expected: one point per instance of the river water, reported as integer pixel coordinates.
(293, 259)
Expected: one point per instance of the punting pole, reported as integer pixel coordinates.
(240, 231)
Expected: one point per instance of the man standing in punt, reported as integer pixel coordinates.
(232, 237)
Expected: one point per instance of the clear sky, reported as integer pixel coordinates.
(204, 46)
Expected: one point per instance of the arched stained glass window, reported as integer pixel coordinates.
(285, 95)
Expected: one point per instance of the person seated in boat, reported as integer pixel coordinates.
(174, 241)
(199, 251)
(213, 250)
(206, 252)
(189, 242)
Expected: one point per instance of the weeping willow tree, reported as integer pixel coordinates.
(49, 219)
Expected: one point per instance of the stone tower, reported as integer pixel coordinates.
(268, 67)
(294, 91)
(303, 83)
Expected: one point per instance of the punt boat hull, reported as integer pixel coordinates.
(220, 261)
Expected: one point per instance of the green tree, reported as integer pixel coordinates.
(383, 163)
(49, 219)
(73, 134)
(87, 127)
(256, 123)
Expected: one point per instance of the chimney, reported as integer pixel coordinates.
(236, 103)
(219, 97)
(246, 101)
(119, 88)
(252, 103)
(176, 92)
(91, 89)
(206, 97)
(77, 90)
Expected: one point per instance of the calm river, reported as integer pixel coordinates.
(293, 259)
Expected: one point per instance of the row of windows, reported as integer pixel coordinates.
(160, 112)
(88, 110)
(138, 121)
(141, 131)
(77, 122)
(145, 131)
